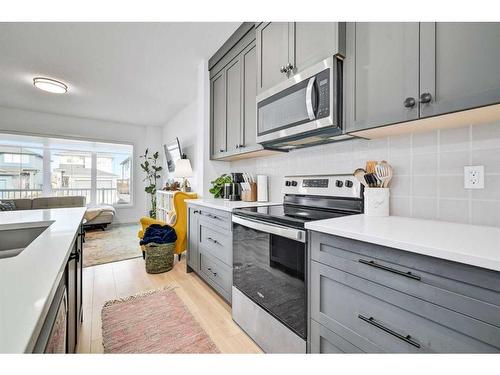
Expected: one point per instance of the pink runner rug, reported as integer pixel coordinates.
(153, 322)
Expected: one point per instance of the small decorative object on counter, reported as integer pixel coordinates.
(262, 190)
(217, 189)
(376, 179)
(172, 186)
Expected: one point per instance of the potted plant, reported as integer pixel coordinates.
(152, 171)
(217, 188)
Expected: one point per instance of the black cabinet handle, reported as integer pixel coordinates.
(237, 146)
(425, 98)
(283, 69)
(410, 102)
(374, 323)
(75, 256)
(371, 263)
(195, 211)
(289, 67)
(212, 240)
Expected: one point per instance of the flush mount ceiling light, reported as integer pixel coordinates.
(50, 85)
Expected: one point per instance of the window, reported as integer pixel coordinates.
(101, 172)
(21, 172)
(113, 178)
(71, 173)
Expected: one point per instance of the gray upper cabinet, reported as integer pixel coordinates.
(398, 72)
(233, 105)
(459, 66)
(272, 53)
(249, 67)
(218, 114)
(314, 42)
(382, 73)
(287, 48)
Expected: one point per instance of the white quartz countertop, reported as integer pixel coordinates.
(221, 204)
(29, 280)
(470, 244)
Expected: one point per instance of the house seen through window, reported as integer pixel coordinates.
(101, 172)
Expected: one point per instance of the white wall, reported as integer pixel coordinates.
(191, 125)
(29, 122)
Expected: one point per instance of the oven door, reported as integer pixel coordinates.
(269, 266)
(306, 102)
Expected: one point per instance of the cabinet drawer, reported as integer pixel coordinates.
(325, 341)
(469, 290)
(217, 241)
(216, 218)
(371, 317)
(215, 272)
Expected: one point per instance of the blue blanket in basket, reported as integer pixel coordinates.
(159, 234)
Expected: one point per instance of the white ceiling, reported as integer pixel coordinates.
(139, 73)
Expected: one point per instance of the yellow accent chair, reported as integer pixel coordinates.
(179, 224)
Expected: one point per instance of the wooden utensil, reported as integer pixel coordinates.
(359, 174)
(370, 166)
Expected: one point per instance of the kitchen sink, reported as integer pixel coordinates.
(15, 238)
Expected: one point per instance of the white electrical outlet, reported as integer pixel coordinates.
(474, 177)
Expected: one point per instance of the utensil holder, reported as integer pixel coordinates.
(377, 201)
(250, 195)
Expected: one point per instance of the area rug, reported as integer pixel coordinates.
(152, 322)
(119, 242)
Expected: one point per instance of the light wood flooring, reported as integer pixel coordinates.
(128, 277)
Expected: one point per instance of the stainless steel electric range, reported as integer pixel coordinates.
(269, 294)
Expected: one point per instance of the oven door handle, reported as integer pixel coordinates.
(279, 230)
(309, 99)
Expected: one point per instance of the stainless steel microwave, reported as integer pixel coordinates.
(305, 110)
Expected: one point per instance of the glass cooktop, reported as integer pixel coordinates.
(288, 214)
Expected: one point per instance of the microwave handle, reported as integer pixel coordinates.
(309, 98)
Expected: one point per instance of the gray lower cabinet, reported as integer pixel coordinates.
(210, 248)
(382, 72)
(192, 256)
(370, 298)
(459, 65)
(398, 72)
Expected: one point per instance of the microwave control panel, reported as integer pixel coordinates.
(323, 86)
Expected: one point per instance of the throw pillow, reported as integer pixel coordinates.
(7, 206)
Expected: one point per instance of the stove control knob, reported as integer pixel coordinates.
(294, 183)
(348, 183)
(339, 183)
(287, 183)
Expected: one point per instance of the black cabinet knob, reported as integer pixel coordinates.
(289, 67)
(410, 102)
(283, 69)
(425, 98)
(221, 150)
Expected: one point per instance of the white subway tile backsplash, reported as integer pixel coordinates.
(424, 208)
(452, 187)
(485, 213)
(424, 142)
(424, 164)
(454, 139)
(454, 210)
(428, 170)
(490, 158)
(453, 162)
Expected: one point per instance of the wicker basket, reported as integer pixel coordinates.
(159, 257)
